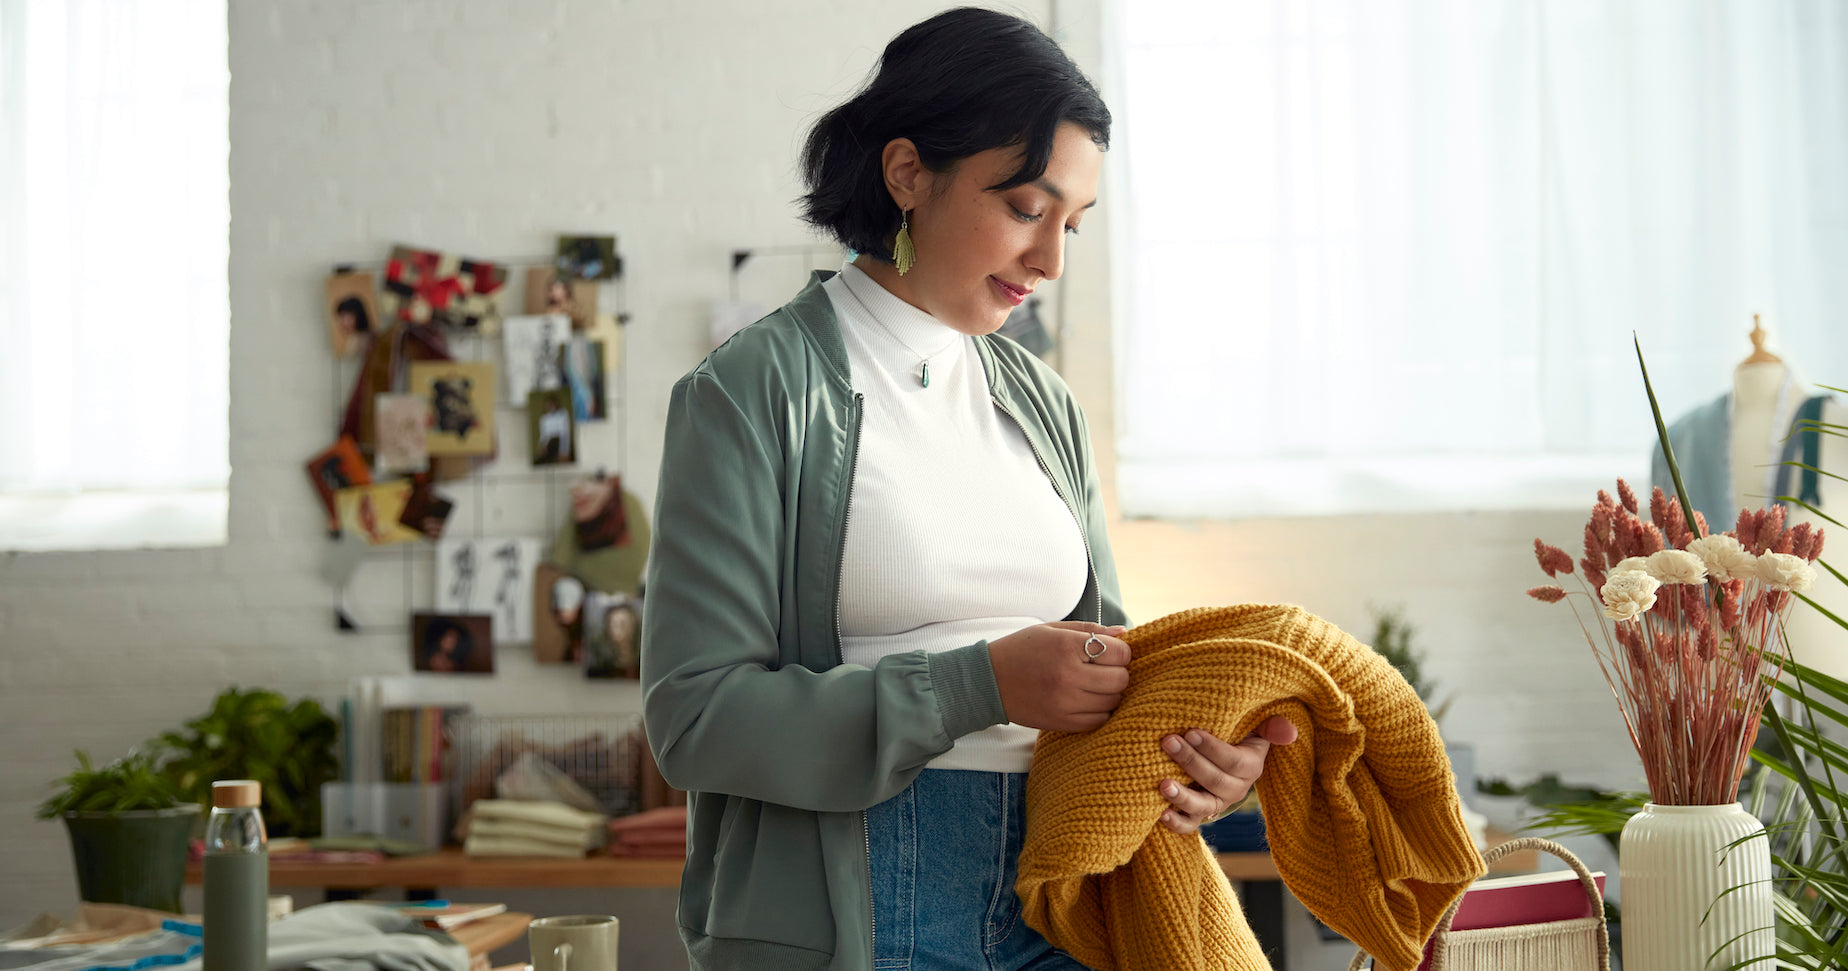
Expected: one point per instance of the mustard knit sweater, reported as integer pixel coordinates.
(1361, 811)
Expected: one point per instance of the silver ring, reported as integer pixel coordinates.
(1101, 648)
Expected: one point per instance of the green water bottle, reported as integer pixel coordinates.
(236, 879)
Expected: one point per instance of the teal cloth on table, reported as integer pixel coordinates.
(356, 937)
(326, 937)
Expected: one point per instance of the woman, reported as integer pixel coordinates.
(447, 646)
(880, 563)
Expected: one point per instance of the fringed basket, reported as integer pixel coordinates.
(1581, 944)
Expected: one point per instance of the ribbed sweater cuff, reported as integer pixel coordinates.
(1439, 857)
(968, 698)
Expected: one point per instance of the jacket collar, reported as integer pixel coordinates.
(814, 313)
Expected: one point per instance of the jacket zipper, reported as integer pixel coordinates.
(1097, 588)
(840, 571)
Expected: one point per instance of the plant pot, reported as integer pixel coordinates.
(136, 858)
(1693, 896)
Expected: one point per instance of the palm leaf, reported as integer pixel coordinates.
(1668, 451)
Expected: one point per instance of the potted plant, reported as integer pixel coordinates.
(257, 734)
(129, 829)
(1689, 634)
(1800, 791)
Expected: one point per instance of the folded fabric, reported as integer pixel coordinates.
(650, 837)
(570, 838)
(664, 817)
(650, 852)
(94, 924)
(1361, 812)
(518, 846)
(326, 937)
(359, 937)
(544, 813)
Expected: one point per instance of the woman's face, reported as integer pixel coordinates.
(981, 252)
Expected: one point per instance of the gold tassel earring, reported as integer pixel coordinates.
(904, 256)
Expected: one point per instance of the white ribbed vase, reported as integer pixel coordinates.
(1675, 862)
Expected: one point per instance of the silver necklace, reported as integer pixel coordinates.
(923, 372)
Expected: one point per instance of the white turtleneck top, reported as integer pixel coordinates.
(954, 533)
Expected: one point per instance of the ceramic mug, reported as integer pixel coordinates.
(581, 943)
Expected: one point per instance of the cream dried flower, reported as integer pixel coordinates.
(1785, 571)
(1677, 566)
(1631, 564)
(1628, 593)
(1725, 557)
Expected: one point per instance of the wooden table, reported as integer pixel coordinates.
(422, 876)
(453, 868)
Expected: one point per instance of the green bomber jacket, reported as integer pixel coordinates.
(780, 746)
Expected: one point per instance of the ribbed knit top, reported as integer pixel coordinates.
(1361, 812)
(954, 533)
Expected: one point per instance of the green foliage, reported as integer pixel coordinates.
(258, 735)
(128, 784)
(1800, 788)
(1392, 640)
(1571, 810)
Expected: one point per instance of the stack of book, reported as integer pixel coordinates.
(414, 742)
(443, 915)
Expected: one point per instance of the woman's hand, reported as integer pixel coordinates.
(1048, 681)
(1223, 773)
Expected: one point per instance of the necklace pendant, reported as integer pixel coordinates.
(924, 374)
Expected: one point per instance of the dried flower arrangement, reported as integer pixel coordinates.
(1692, 629)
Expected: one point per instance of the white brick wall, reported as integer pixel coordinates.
(487, 127)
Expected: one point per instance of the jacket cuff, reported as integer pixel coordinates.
(968, 699)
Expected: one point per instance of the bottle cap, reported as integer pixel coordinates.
(236, 793)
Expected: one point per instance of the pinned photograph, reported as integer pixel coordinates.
(489, 576)
(352, 310)
(558, 616)
(425, 511)
(581, 362)
(452, 643)
(401, 422)
(550, 292)
(596, 512)
(608, 329)
(531, 346)
(588, 257)
(461, 396)
(612, 636)
(339, 467)
(428, 287)
(553, 432)
(373, 511)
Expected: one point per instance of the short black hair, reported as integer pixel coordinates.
(362, 321)
(962, 82)
(433, 639)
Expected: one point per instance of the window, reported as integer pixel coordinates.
(1388, 256)
(114, 306)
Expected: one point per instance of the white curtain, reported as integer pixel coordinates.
(1388, 255)
(114, 310)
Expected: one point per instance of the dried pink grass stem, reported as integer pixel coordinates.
(1692, 674)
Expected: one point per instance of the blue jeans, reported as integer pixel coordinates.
(944, 856)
